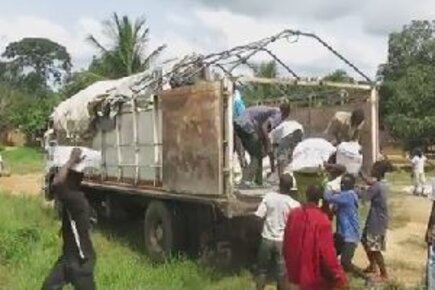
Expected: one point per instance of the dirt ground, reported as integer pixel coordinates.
(29, 184)
(406, 251)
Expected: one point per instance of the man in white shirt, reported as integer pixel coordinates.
(284, 139)
(274, 210)
(418, 163)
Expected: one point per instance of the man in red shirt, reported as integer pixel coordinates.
(308, 248)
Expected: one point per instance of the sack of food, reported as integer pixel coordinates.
(349, 155)
(310, 155)
(59, 155)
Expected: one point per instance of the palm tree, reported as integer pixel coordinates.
(126, 53)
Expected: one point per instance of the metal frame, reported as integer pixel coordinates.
(227, 61)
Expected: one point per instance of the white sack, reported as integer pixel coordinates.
(310, 154)
(59, 155)
(349, 155)
(284, 129)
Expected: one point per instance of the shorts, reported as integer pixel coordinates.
(374, 243)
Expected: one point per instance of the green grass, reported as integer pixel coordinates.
(23, 160)
(29, 245)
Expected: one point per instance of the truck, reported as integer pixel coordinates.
(166, 141)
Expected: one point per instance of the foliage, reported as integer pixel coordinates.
(126, 53)
(339, 76)
(33, 67)
(28, 111)
(37, 62)
(408, 91)
(258, 92)
(23, 160)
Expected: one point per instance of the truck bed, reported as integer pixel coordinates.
(241, 203)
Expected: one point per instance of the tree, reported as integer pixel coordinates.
(266, 69)
(257, 92)
(126, 53)
(339, 76)
(36, 62)
(408, 91)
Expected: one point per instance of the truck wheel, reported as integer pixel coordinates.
(159, 231)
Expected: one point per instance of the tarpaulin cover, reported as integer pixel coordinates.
(76, 114)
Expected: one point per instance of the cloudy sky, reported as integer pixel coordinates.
(357, 29)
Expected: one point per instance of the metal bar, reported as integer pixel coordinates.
(132, 165)
(139, 144)
(336, 53)
(156, 132)
(301, 83)
(103, 155)
(135, 141)
(118, 141)
(281, 63)
(375, 124)
(228, 172)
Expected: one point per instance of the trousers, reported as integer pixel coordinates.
(71, 271)
(270, 257)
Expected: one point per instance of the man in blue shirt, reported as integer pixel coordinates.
(348, 229)
(238, 104)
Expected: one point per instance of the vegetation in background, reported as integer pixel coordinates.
(22, 160)
(32, 67)
(36, 63)
(339, 76)
(408, 90)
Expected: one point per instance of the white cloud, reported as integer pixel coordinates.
(14, 29)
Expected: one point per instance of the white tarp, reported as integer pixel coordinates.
(75, 115)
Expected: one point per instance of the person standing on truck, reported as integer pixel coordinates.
(76, 264)
(238, 109)
(253, 128)
(284, 139)
(273, 210)
(308, 247)
(345, 126)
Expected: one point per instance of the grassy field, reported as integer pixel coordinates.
(29, 245)
(22, 160)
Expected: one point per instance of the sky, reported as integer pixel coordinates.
(357, 29)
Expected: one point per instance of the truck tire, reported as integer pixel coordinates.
(160, 236)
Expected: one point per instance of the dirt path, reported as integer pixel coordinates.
(29, 184)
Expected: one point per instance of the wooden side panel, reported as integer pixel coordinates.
(193, 139)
